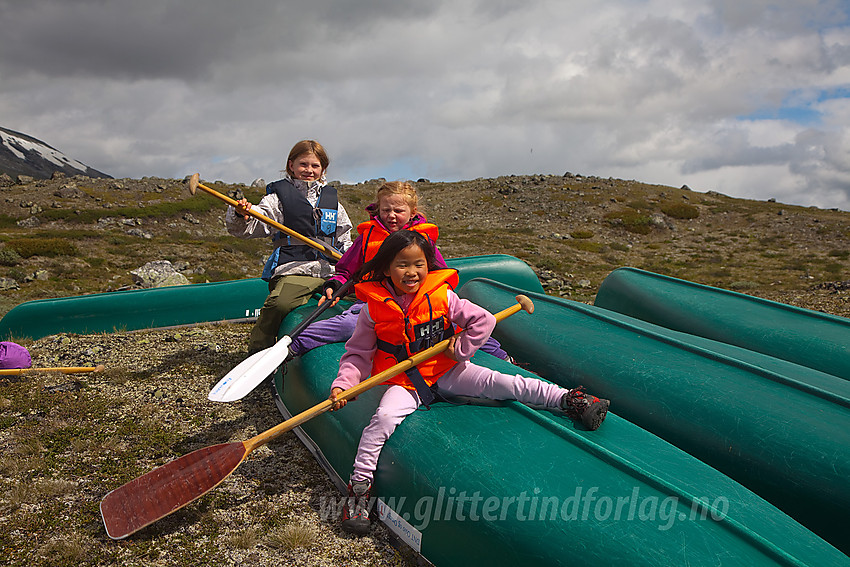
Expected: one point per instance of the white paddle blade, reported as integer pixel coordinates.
(250, 373)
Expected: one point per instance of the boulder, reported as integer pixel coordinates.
(159, 273)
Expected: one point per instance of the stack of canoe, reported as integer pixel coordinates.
(780, 428)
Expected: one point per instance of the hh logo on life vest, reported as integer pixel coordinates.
(327, 225)
(431, 329)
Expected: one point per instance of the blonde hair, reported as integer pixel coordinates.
(403, 188)
(307, 147)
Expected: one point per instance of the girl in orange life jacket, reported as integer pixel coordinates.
(396, 208)
(410, 305)
(305, 203)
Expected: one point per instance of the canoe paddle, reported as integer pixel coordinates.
(164, 490)
(251, 372)
(62, 369)
(195, 184)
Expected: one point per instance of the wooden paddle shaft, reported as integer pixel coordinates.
(62, 369)
(523, 302)
(172, 486)
(194, 184)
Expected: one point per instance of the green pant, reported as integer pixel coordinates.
(285, 294)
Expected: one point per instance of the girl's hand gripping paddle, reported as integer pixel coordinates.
(195, 184)
(251, 372)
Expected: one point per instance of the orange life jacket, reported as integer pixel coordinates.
(401, 335)
(374, 233)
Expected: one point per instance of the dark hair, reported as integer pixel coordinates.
(374, 269)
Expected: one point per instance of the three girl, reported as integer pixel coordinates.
(305, 203)
(410, 305)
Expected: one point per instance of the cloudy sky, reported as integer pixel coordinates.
(748, 98)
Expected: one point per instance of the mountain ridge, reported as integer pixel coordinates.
(22, 154)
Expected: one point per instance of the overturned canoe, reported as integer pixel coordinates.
(781, 429)
(500, 483)
(198, 303)
(803, 336)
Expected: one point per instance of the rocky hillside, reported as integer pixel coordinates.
(74, 235)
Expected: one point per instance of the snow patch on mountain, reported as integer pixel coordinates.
(21, 154)
(18, 146)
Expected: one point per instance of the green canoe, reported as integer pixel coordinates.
(500, 483)
(185, 305)
(781, 429)
(806, 337)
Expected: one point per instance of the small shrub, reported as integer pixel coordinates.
(550, 264)
(834, 268)
(586, 245)
(632, 221)
(17, 274)
(64, 551)
(7, 222)
(27, 247)
(291, 536)
(582, 234)
(720, 273)
(620, 247)
(680, 210)
(638, 204)
(9, 257)
(796, 264)
(245, 539)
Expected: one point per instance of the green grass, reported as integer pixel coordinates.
(27, 247)
(7, 221)
(679, 210)
(632, 221)
(200, 203)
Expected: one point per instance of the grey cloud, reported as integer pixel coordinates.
(119, 38)
(777, 17)
(734, 149)
(186, 39)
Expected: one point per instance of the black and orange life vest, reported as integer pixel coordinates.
(374, 233)
(401, 335)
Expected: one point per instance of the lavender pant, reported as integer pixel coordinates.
(464, 379)
(339, 328)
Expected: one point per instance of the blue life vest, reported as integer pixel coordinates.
(318, 223)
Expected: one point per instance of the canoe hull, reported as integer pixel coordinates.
(780, 429)
(805, 337)
(198, 303)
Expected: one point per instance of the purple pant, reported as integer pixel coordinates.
(339, 328)
(464, 379)
(13, 355)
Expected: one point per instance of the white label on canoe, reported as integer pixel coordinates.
(401, 527)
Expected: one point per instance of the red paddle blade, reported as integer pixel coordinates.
(164, 490)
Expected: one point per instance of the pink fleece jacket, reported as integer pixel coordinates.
(356, 364)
